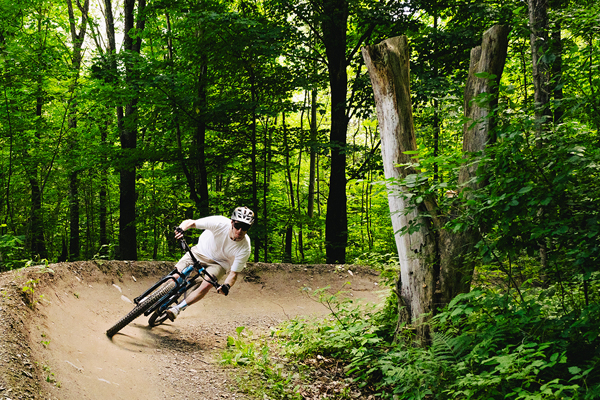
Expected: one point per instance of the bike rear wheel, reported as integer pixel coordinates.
(141, 308)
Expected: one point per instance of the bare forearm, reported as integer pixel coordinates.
(187, 224)
(231, 278)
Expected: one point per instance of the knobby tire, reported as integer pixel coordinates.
(141, 308)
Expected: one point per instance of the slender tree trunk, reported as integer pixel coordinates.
(74, 213)
(200, 140)
(313, 154)
(258, 241)
(36, 226)
(287, 255)
(556, 82)
(112, 58)
(541, 70)
(436, 104)
(538, 22)
(127, 184)
(3, 228)
(334, 28)
(103, 197)
(112, 62)
(267, 139)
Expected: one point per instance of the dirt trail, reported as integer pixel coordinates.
(59, 350)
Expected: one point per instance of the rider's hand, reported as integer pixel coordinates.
(224, 289)
(178, 233)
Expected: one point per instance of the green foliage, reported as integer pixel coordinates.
(486, 344)
(540, 196)
(239, 352)
(12, 252)
(28, 291)
(269, 378)
(522, 348)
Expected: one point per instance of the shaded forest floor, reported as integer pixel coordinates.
(53, 322)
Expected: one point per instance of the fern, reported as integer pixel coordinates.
(447, 348)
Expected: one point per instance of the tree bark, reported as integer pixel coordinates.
(334, 25)
(202, 186)
(8, 214)
(112, 63)
(74, 212)
(287, 254)
(313, 155)
(455, 271)
(433, 268)
(556, 80)
(538, 23)
(36, 225)
(388, 65)
(127, 183)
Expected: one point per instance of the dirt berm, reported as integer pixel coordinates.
(53, 323)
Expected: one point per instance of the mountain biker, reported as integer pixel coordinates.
(223, 246)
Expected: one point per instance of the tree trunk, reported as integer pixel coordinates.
(202, 186)
(259, 239)
(556, 80)
(36, 226)
(432, 265)
(112, 50)
(313, 154)
(489, 58)
(287, 254)
(8, 214)
(127, 184)
(74, 212)
(334, 27)
(388, 65)
(103, 197)
(538, 22)
(541, 70)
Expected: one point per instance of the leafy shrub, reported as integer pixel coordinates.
(12, 252)
(269, 378)
(486, 345)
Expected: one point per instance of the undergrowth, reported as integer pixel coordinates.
(541, 344)
(263, 375)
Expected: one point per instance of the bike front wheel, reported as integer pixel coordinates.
(141, 308)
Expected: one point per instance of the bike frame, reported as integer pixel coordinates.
(183, 283)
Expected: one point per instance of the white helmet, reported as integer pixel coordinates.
(243, 214)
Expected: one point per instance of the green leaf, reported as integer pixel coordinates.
(525, 189)
(574, 370)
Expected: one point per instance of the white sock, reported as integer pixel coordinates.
(181, 306)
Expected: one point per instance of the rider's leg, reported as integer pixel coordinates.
(192, 298)
(198, 294)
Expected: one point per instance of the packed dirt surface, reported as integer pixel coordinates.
(53, 322)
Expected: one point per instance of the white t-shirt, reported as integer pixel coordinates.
(216, 244)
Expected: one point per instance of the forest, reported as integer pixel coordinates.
(120, 119)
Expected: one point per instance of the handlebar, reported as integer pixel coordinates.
(197, 264)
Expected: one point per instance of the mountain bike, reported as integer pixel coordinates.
(167, 292)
